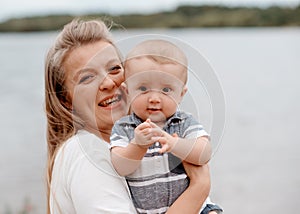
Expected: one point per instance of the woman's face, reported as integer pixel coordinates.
(93, 75)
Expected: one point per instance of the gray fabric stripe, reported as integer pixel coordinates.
(158, 195)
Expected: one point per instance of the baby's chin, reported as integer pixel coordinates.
(157, 118)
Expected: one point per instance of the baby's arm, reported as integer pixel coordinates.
(127, 159)
(196, 151)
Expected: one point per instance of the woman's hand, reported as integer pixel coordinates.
(198, 174)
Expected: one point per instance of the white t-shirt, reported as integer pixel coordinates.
(84, 180)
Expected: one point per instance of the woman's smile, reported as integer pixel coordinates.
(111, 101)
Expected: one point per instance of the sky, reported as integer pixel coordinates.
(20, 8)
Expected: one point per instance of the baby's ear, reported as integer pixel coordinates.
(184, 90)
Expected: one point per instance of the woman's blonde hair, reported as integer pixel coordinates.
(61, 123)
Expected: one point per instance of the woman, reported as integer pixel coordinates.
(82, 77)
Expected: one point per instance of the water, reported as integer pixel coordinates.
(255, 165)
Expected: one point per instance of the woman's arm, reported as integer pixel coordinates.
(192, 199)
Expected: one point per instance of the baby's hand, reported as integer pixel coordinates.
(166, 140)
(143, 134)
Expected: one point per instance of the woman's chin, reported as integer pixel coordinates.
(119, 111)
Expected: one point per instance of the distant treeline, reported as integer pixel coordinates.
(183, 16)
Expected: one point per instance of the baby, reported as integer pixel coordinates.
(148, 145)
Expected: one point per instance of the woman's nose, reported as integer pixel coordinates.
(107, 84)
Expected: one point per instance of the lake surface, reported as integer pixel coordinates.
(256, 155)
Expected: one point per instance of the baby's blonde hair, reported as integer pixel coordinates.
(160, 51)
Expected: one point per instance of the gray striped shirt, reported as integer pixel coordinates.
(160, 178)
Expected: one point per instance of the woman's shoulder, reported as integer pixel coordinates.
(84, 153)
(72, 145)
(83, 146)
(83, 170)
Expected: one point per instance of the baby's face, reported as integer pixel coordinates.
(154, 90)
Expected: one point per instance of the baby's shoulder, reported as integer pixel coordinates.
(184, 115)
(126, 120)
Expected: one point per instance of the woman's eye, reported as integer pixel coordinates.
(166, 90)
(142, 88)
(115, 69)
(85, 78)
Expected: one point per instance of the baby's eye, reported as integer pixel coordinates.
(166, 90)
(143, 88)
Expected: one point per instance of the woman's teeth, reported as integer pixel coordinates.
(110, 101)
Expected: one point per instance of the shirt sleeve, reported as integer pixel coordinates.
(120, 135)
(192, 128)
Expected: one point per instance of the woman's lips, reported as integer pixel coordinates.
(110, 101)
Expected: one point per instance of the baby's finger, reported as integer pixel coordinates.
(153, 125)
(157, 132)
(164, 148)
(143, 125)
(147, 131)
(156, 139)
(160, 139)
(175, 135)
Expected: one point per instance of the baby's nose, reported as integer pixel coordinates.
(154, 97)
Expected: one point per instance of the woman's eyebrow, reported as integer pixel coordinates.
(91, 69)
(113, 61)
(83, 70)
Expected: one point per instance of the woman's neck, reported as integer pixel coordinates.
(103, 134)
